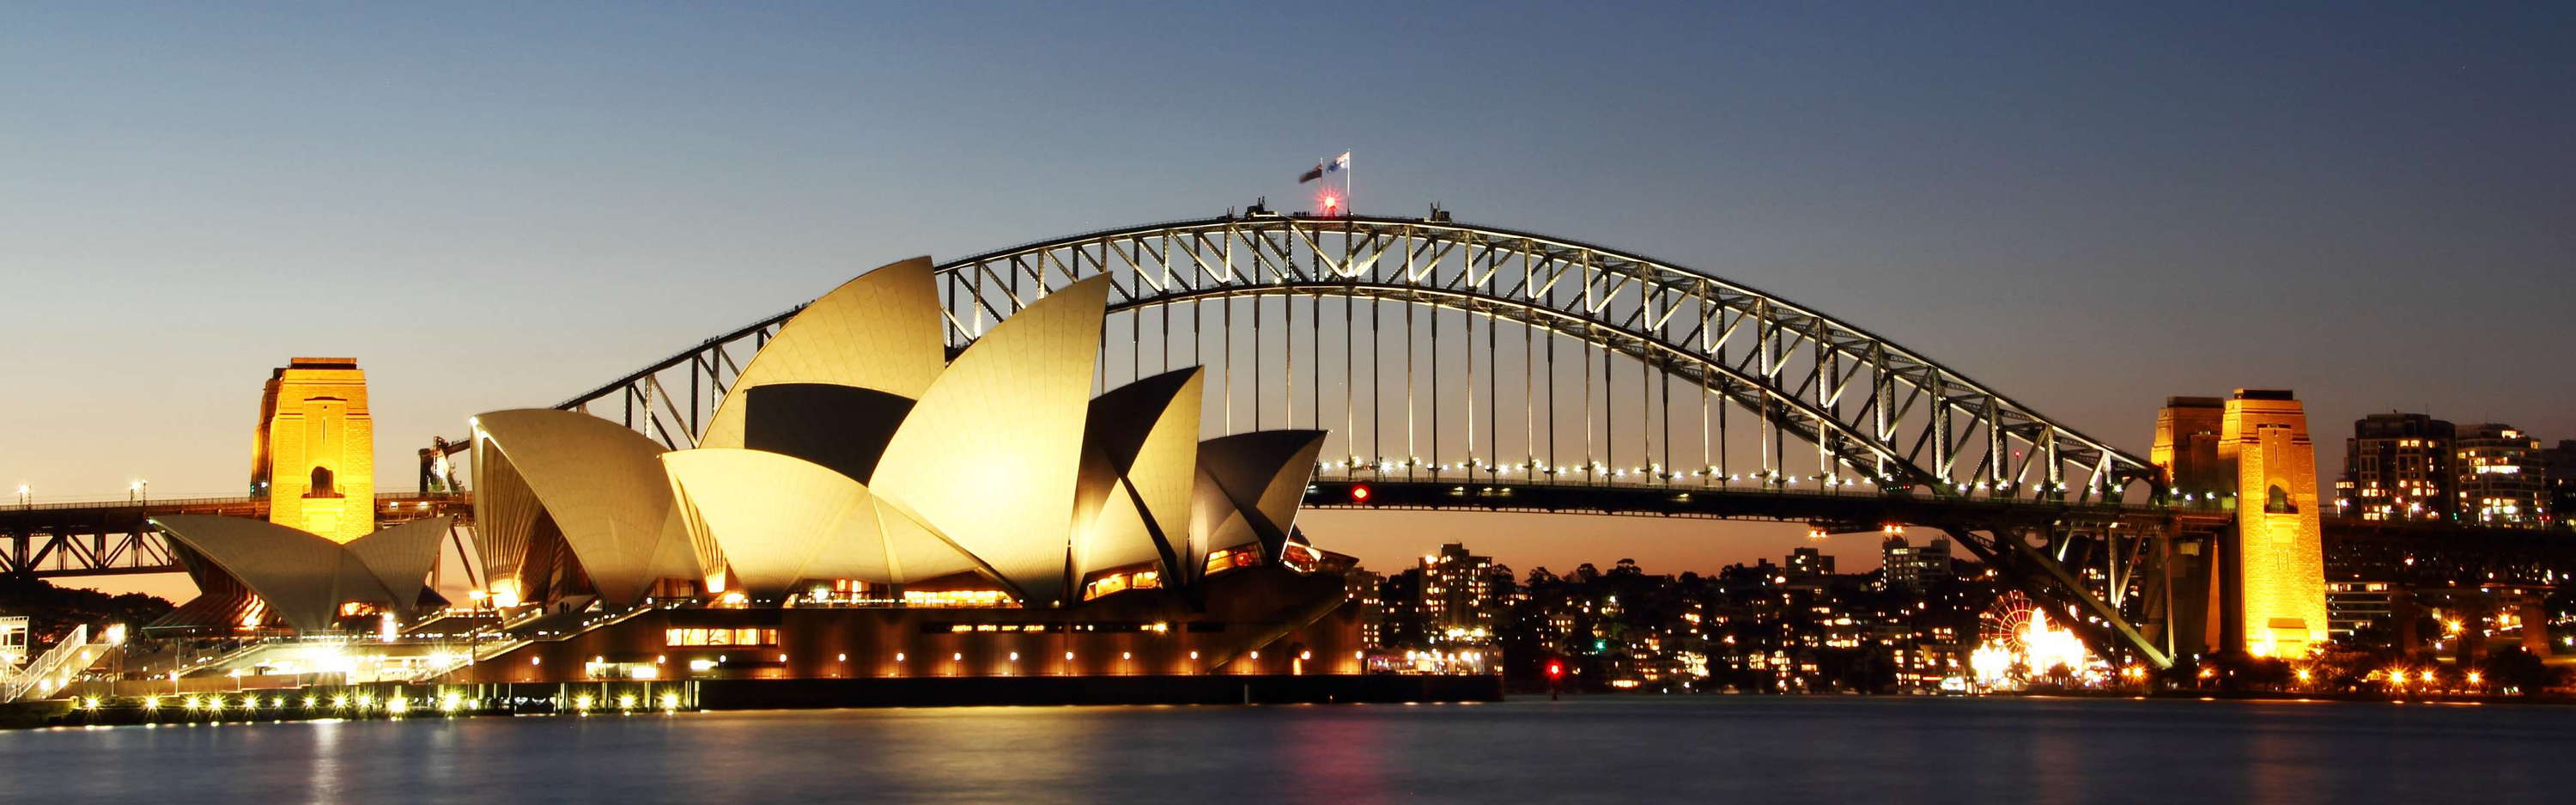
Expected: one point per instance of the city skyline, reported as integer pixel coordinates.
(812, 401)
(2089, 211)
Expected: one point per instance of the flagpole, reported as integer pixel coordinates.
(1346, 182)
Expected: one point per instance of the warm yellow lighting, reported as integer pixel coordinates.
(670, 701)
(315, 431)
(625, 701)
(505, 593)
(581, 703)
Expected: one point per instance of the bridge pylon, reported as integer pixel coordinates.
(2246, 570)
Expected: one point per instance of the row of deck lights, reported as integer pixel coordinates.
(1657, 472)
(136, 491)
(954, 657)
(448, 704)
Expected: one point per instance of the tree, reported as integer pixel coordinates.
(2517, 670)
(52, 611)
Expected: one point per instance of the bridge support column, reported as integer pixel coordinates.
(2245, 464)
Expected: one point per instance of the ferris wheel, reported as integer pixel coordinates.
(2007, 621)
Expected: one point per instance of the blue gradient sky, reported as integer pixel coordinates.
(500, 205)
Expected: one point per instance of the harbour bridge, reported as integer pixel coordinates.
(1465, 367)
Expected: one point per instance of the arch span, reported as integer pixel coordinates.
(1438, 352)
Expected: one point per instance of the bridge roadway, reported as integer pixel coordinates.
(106, 538)
(1834, 511)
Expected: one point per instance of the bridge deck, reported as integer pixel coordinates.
(108, 538)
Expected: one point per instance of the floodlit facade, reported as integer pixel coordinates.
(863, 503)
(859, 491)
(2281, 557)
(2247, 459)
(314, 454)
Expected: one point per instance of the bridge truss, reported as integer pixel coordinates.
(1451, 356)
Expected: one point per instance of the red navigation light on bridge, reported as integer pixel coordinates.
(1360, 493)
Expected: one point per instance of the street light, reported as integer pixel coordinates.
(22, 496)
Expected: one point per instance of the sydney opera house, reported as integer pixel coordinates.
(865, 503)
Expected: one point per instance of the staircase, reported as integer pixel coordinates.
(51, 671)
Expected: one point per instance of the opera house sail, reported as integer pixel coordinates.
(867, 500)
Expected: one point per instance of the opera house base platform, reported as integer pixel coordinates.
(1039, 690)
(610, 699)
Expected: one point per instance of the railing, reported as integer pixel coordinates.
(109, 503)
(36, 677)
(1336, 473)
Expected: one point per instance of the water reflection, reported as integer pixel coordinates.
(1592, 749)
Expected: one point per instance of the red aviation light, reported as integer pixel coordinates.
(1332, 203)
(1360, 493)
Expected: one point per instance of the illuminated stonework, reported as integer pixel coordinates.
(2281, 565)
(315, 454)
(2246, 458)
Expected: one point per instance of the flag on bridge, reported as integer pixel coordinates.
(1324, 166)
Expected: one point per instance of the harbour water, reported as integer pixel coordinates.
(1589, 749)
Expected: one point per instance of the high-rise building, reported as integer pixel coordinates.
(1360, 587)
(1809, 565)
(1453, 595)
(314, 456)
(1901, 564)
(2352, 605)
(2397, 466)
(2558, 469)
(2502, 482)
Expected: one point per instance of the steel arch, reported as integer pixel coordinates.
(1917, 419)
(1876, 413)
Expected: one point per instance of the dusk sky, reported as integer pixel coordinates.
(497, 206)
